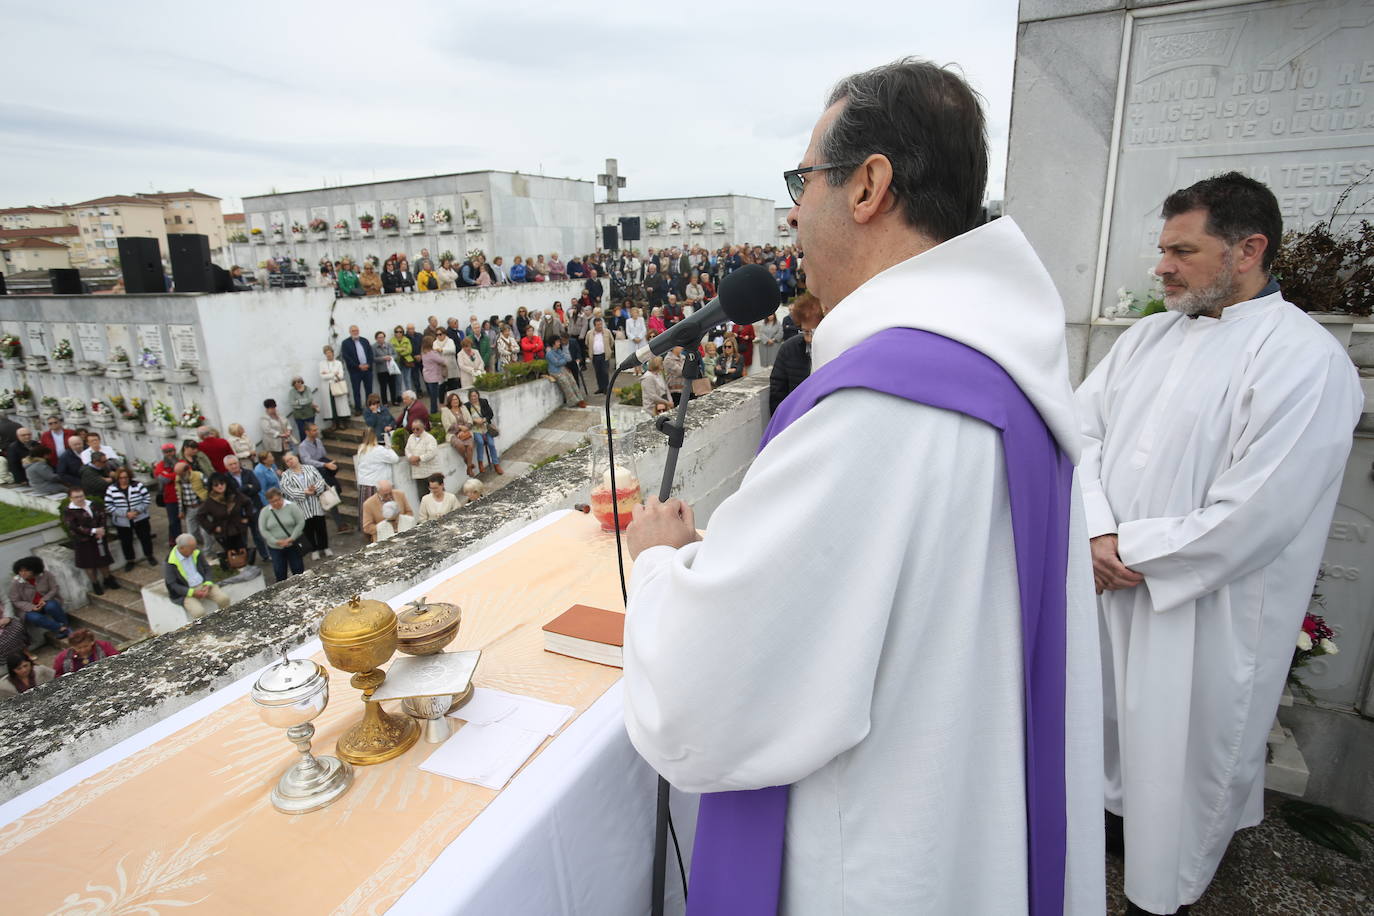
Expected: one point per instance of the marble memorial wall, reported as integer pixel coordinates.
(1282, 92)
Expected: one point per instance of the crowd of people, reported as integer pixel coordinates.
(232, 500)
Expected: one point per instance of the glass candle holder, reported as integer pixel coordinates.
(621, 501)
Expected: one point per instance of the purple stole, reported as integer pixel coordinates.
(737, 856)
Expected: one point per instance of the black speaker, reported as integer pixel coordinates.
(66, 281)
(3, 291)
(219, 277)
(609, 241)
(629, 228)
(140, 260)
(190, 257)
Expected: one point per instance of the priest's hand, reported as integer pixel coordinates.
(657, 523)
(1109, 573)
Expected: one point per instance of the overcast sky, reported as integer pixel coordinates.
(693, 98)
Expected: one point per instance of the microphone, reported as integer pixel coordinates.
(748, 295)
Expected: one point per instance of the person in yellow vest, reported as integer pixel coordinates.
(187, 575)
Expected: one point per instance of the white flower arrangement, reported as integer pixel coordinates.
(163, 414)
(191, 417)
(73, 405)
(441, 216)
(62, 349)
(341, 224)
(6, 399)
(417, 217)
(120, 355)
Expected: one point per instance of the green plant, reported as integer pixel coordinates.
(1326, 270)
(399, 436)
(490, 381)
(632, 395)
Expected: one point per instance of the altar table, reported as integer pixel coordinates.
(176, 818)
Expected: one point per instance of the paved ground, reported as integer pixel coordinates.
(1272, 870)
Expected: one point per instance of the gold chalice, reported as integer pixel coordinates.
(360, 637)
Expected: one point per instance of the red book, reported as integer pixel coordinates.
(589, 633)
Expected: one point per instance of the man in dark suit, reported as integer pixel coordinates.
(594, 289)
(792, 365)
(357, 357)
(69, 465)
(242, 481)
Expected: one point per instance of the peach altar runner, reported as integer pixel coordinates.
(155, 831)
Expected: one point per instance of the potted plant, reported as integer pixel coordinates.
(149, 366)
(718, 226)
(277, 231)
(256, 233)
(73, 411)
(164, 421)
(49, 406)
(62, 356)
(694, 226)
(191, 417)
(13, 350)
(365, 223)
(341, 228)
(101, 415)
(653, 223)
(783, 228)
(674, 227)
(1328, 272)
(443, 220)
(472, 221)
(389, 223)
(417, 222)
(144, 472)
(119, 364)
(319, 226)
(238, 236)
(131, 414)
(6, 401)
(297, 229)
(23, 402)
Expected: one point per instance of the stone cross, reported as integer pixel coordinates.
(611, 181)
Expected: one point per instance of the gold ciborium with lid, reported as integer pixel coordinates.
(360, 637)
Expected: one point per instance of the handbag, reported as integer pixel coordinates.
(492, 430)
(329, 498)
(392, 368)
(701, 386)
(338, 388)
(236, 557)
(160, 498)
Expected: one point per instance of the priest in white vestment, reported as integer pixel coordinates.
(850, 624)
(1215, 437)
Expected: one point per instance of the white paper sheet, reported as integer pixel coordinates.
(487, 755)
(489, 706)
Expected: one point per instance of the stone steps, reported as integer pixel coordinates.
(116, 616)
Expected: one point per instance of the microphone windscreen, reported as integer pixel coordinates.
(749, 294)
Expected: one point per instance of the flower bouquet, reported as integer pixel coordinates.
(131, 414)
(783, 228)
(238, 237)
(6, 400)
(191, 417)
(164, 421)
(1315, 639)
(341, 228)
(297, 229)
(653, 225)
(119, 364)
(62, 356)
(695, 226)
(277, 230)
(149, 367)
(472, 221)
(443, 219)
(417, 222)
(675, 226)
(256, 232)
(23, 401)
(73, 410)
(365, 222)
(50, 406)
(319, 225)
(142, 470)
(389, 223)
(10, 345)
(718, 225)
(101, 414)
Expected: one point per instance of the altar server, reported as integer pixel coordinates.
(1216, 434)
(861, 622)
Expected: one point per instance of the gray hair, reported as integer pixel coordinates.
(408, 394)
(186, 540)
(928, 123)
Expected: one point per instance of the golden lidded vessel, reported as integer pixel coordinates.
(360, 636)
(424, 629)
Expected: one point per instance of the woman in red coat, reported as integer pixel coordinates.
(166, 475)
(531, 345)
(744, 339)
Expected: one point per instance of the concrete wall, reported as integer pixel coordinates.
(515, 214)
(159, 676)
(247, 345)
(747, 220)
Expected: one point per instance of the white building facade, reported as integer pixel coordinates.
(711, 222)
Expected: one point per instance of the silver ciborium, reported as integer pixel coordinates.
(289, 695)
(428, 686)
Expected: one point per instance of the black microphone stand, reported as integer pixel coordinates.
(675, 428)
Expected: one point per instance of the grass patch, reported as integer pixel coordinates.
(15, 518)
